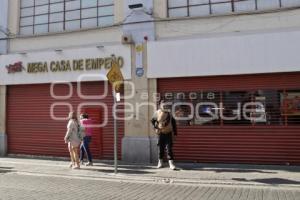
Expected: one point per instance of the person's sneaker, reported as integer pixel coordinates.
(81, 162)
(89, 164)
(159, 164)
(172, 165)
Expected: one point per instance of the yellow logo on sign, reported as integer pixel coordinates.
(115, 76)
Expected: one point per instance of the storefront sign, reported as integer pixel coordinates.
(68, 65)
(74, 65)
(16, 67)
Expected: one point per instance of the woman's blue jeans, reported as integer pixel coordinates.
(84, 148)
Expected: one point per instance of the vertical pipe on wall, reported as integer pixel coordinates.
(210, 8)
(188, 7)
(232, 5)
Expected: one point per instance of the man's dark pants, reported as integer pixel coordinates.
(165, 142)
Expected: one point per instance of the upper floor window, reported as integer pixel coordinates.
(43, 16)
(190, 8)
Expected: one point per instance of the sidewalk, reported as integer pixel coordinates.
(191, 174)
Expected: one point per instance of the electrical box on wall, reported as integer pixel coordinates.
(138, 4)
(138, 22)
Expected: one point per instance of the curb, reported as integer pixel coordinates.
(101, 171)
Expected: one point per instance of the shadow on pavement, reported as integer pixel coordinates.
(240, 171)
(271, 181)
(239, 168)
(131, 166)
(229, 170)
(124, 171)
(6, 170)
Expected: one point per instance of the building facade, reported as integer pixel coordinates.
(229, 70)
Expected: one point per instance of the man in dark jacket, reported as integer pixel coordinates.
(165, 128)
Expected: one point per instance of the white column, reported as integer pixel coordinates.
(138, 139)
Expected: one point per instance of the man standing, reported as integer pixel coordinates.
(165, 127)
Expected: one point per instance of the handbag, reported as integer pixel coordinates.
(81, 132)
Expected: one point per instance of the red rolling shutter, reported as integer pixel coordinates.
(236, 144)
(32, 131)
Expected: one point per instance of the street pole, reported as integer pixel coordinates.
(115, 134)
(115, 76)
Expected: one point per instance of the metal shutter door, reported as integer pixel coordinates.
(236, 144)
(31, 130)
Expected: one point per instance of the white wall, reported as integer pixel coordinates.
(74, 39)
(225, 54)
(67, 54)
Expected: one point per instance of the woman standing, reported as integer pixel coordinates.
(84, 147)
(73, 139)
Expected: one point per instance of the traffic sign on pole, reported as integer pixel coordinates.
(116, 79)
(115, 76)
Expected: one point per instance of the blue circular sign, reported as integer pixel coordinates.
(139, 72)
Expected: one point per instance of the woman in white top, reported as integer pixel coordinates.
(73, 140)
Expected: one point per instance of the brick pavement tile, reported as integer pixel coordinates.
(197, 193)
(187, 192)
(172, 194)
(296, 195)
(214, 195)
(251, 195)
(237, 194)
(289, 195)
(281, 195)
(268, 195)
(136, 191)
(109, 191)
(155, 194)
(150, 191)
(242, 193)
(275, 194)
(209, 192)
(235, 191)
(34, 186)
(278, 194)
(260, 194)
(197, 190)
(178, 192)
